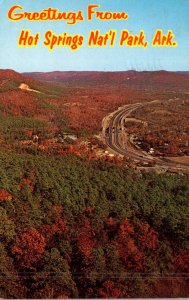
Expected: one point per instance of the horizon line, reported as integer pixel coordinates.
(97, 71)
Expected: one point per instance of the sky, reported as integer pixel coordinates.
(147, 15)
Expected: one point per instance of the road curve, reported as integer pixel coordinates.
(114, 132)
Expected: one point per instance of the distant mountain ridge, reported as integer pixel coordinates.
(88, 76)
(131, 77)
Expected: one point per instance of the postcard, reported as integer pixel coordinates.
(94, 149)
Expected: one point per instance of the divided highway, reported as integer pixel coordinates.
(115, 138)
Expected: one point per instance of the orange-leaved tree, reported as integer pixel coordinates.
(28, 247)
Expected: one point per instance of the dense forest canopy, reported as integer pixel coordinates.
(70, 227)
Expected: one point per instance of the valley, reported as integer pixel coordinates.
(94, 185)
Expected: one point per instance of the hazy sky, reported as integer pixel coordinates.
(148, 15)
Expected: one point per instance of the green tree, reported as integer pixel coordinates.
(7, 227)
(55, 279)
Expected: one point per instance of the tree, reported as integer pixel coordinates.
(52, 232)
(146, 236)
(28, 248)
(5, 196)
(55, 279)
(10, 283)
(132, 257)
(85, 239)
(182, 261)
(7, 227)
(110, 290)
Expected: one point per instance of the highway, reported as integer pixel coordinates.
(115, 139)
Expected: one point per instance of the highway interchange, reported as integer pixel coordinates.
(114, 135)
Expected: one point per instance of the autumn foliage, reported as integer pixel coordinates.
(74, 224)
(110, 290)
(53, 231)
(182, 261)
(85, 240)
(4, 195)
(29, 247)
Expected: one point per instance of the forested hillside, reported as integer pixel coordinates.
(74, 228)
(75, 219)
